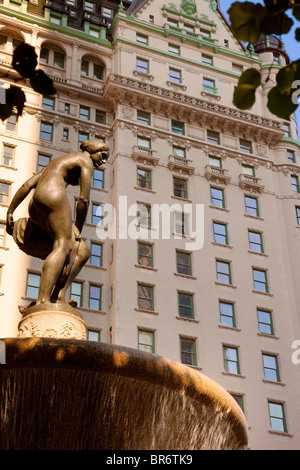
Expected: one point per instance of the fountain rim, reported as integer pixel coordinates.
(40, 352)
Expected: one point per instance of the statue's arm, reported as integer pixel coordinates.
(20, 195)
(83, 200)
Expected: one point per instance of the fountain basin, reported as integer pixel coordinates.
(79, 395)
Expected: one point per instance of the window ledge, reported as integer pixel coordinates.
(5, 248)
(222, 244)
(100, 268)
(185, 199)
(226, 285)
(234, 375)
(219, 208)
(90, 310)
(9, 167)
(192, 367)
(263, 293)
(187, 319)
(151, 312)
(233, 328)
(145, 189)
(149, 268)
(273, 382)
(280, 433)
(137, 73)
(265, 335)
(257, 253)
(186, 276)
(99, 189)
(254, 217)
(177, 85)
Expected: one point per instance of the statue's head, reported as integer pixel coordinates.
(99, 151)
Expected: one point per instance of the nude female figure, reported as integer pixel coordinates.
(53, 237)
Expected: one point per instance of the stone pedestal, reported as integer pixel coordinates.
(50, 320)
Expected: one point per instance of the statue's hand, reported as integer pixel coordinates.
(9, 223)
(76, 233)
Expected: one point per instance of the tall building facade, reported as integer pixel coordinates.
(194, 222)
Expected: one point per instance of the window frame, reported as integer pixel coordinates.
(225, 316)
(192, 352)
(234, 361)
(183, 307)
(150, 289)
(221, 275)
(186, 266)
(147, 347)
(257, 282)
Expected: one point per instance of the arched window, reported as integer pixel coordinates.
(92, 67)
(9, 40)
(52, 54)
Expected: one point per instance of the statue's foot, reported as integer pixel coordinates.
(73, 303)
(23, 309)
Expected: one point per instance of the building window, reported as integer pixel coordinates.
(298, 215)
(46, 132)
(238, 69)
(97, 214)
(185, 305)
(95, 297)
(76, 289)
(189, 28)
(151, 19)
(144, 214)
(82, 136)
(265, 322)
(67, 108)
(227, 316)
(184, 263)
(175, 75)
(32, 286)
(270, 365)
(89, 6)
(239, 399)
(146, 340)
(144, 142)
(51, 56)
(248, 170)
(220, 233)
(251, 206)
(141, 39)
(255, 241)
(100, 117)
(143, 117)
(182, 223)
(287, 130)
(209, 85)
(217, 197)
(173, 23)
(277, 417)
(144, 179)
(245, 146)
(98, 179)
(224, 272)
(291, 156)
(48, 103)
(93, 335)
(96, 257)
(4, 193)
(2, 233)
(178, 151)
(295, 183)
(188, 351)
(145, 254)
(145, 297)
(91, 69)
(205, 33)
(42, 161)
(215, 161)
(231, 360)
(260, 280)
(207, 59)
(84, 113)
(142, 65)
(8, 155)
(213, 137)
(65, 134)
(11, 123)
(174, 49)
(107, 12)
(180, 188)
(178, 127)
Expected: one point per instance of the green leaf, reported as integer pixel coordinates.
(24, 60)
(245, 18)
(287, 75)
(276, 24)
(43, 84)
(296, 13)
(244, 92)
(281, 104)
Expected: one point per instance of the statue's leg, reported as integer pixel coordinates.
(81, 254)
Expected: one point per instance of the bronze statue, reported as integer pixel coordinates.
(49, 233)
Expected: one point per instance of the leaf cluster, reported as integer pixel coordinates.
(248, 22)
(25, 63)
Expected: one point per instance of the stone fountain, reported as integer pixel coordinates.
(71, 394)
